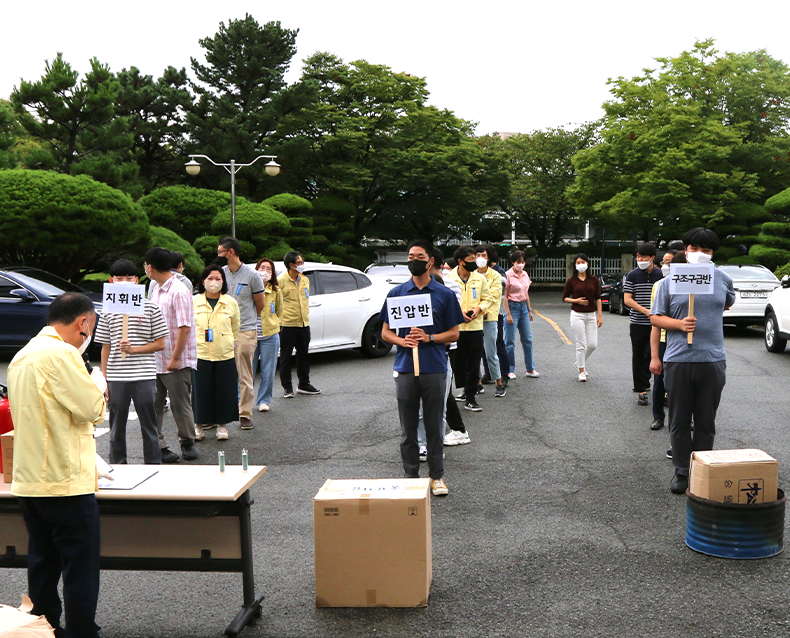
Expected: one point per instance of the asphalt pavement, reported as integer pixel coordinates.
(559, 520)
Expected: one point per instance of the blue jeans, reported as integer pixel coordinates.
(520, 314)
(265, 358)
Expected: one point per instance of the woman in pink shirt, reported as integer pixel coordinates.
(519, 314)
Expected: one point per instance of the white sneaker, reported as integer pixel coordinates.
(534, 374)
(582, 377)
(199, 434)
(263, 408)
(512, 375)
(423, 453)
(222, 433)
(457, 438)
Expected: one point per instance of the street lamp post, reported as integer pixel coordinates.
(272, 169)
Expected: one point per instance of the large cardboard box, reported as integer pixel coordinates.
(17, 623)
(373, 543)
(734, 476)
(7, 455)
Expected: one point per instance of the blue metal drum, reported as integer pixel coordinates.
(734, 530)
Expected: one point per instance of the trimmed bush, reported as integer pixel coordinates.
(166, 238)
(769, 257)
(779, 204)
(185, 210)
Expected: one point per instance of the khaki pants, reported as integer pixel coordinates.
(245, 348)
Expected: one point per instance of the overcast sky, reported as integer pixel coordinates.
(509, 66)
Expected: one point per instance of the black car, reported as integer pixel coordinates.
(25, 295)
(616, 304)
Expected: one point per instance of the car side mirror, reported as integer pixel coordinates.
(21, 293)
(786, 281)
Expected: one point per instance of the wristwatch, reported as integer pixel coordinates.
(430, 338)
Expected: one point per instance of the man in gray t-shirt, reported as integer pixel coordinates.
(246, 287)
(694, 375)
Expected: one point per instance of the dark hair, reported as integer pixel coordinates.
(206, 272)
(290, 258)
(273, 280)
(462, 252)
(124, 268)
(672, 251)
(453, 263)
(585, 258)
(679, 258)
(489, 250)
(67, 308)
(701, 237)
(159, 259)
(517, 255)
(438, 258)
(421, 243)
(178, 259)
(646, 250)
(231, 243)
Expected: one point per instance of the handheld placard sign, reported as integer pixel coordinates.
(124, 299)
(691, 279)
(412, 311)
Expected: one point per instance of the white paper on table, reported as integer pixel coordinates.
(127, 477)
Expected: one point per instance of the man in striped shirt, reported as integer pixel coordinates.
(637, 291)
(131, 378)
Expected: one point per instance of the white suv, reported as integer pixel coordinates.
(777, 317)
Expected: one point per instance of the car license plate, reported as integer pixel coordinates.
(754, 295)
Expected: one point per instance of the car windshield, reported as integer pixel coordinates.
(44, 282)
(749, 272)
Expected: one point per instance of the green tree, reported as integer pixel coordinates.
(773, 243)
(299, 212)
(681, 145)
(166, 238)
(185, 210)
(242, 98)
(206, 248)
(75, 121)
(70, 226)
(258, 224)
(332, 219)
(540, 169)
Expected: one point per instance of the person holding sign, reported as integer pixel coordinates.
(694, 370)
(428, 336)
(129, 365)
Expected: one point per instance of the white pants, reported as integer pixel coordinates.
(584, 326)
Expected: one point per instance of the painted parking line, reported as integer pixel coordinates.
(554, 325)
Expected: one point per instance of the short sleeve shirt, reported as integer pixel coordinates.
(243, 285)
(142, 331)
(175, 303)
(640, 284)
(446, 315)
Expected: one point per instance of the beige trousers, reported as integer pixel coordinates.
(245, 348)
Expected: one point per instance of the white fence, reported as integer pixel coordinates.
(552, 270)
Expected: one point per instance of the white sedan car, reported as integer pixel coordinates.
(753, 285)
(344, 309)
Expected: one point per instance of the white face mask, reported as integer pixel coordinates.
(86, 342)
(212, 286)
(265, 275)
(300, 268)
(481, 262)
(665, 269)
(445, 272)
(698, 257)
(581, 267)
(643, 265)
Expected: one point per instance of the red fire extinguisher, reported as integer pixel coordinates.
(5, 418)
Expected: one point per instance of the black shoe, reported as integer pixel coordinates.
(472, 406)
(481, 389)
(461, 398)
(168, 456)
(307, 389)
(188, 451)
(500, 391)
(642, 400)
(504, 382)
(680, 484)
(487, 380)
(288, 393)
(245, 423)
(669, 454)
(657, 424)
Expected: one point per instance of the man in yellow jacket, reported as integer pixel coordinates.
(475, 301)
(54, 405)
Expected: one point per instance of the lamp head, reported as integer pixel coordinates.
(193, 167)
(272, 168)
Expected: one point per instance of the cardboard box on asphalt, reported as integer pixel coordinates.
(734, 476)
(373, 543)
(7, 455)
(17, 623)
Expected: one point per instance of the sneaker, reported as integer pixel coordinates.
(534, 374)
(423, 453)
(642, 400)
(288, 393)
(582, 377)
(680, 484)
(657, 424)
(481, 389)
(472, 406)
(263, 408)
(307, 389)
(168, 456)
(244, 423)
(209, 426)
(500, 391)
(669, 454)
(222, 433)
(199, 434)
(512, 375)
(456, 438)
(188, 451)
(167, 405)
(438, 487)
(461, 398)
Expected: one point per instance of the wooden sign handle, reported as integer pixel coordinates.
(691, 314)
(416, 356)
(124, 332)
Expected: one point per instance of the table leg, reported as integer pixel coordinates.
(252, 603)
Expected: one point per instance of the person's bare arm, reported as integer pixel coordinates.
(628, 300)
(656, 366)
(178, 348)
(668, 323)
(155, 346)
(448, 336)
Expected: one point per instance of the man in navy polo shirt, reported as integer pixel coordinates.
(429, 387)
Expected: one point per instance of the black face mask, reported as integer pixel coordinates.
(469, 265)
(417, 267)
(221, 261)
